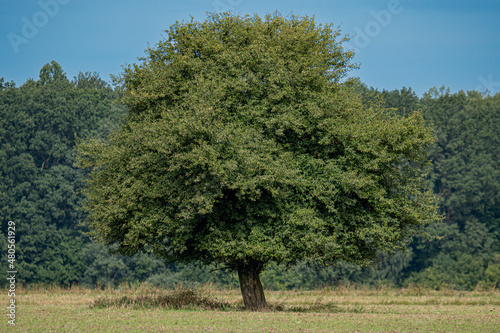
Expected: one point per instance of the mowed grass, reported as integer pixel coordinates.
(340, 309)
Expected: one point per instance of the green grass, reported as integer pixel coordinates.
(208, 309)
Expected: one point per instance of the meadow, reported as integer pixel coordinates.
(211, 309)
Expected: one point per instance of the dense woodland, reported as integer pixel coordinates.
(42, 120)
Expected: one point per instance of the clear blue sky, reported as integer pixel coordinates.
(412, 43)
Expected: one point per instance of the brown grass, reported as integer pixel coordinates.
(145, 308)
(180, 298)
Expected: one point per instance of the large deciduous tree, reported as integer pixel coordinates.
(246, 145)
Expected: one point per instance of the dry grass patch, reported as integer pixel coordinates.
(328, 310)
(177, 299)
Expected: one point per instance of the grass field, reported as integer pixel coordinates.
(329, 310)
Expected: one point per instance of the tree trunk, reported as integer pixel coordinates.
(251, 287)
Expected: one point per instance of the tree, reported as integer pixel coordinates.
(39, 124)
(245, 145)
(466, 175)
(465, 157)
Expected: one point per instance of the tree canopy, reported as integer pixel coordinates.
(39, 124)
(245, 145)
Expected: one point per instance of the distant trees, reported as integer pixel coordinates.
(39, 124)
(39, 189)
(466, 176)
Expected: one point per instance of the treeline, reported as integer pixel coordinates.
(41, 121)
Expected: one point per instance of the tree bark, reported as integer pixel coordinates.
(251, 287)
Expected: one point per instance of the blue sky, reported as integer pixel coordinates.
(411, 43)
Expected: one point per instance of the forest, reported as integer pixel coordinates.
(42, 120)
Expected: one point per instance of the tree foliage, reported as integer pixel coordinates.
(466, 176)
(465, 255)
(39, 125)
(244, 147)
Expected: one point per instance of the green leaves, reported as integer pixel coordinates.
(243, 146)
(39, 125)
